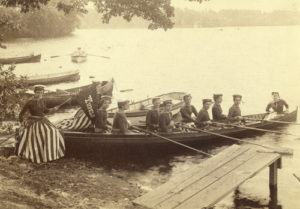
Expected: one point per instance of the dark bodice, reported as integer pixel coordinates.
(120, 123)
(217, 112)
(233, 112)
(101, 120)
(165, 119)
(36, 107)
(202, 117)
(186, 113)
(152, 119)
(277, 106)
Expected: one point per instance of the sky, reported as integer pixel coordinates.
(263, 5)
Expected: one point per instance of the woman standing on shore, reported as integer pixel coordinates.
(39, 141)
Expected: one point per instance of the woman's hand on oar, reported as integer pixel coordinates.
(170, 140)
(99, 56)
(285, 151)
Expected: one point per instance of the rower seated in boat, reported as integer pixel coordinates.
(152, 117)
(234, 113)
(120, 122)
(203, 119)
(217, 111)
(278, 104)
(101, 122)
(166, 124)
(187, 110)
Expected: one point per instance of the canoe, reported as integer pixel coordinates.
(53, 78)
(78, 58)
(94, 139)
(55, 98)
(138, 110)
(24, 59)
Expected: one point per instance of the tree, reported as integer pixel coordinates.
(11, 91)
(157, 12)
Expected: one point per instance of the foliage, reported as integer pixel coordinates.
(157, 12)
(11, 91)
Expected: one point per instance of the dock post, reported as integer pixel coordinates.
(273, 183)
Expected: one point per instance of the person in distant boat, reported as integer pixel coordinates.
(79, 52)
(234, 113)
(277, 105)
(120, 122)
(39, 141)
(152, 117)
(203, 119)
(187, 110)
(217, 111)
(101, 122)
(166, 124)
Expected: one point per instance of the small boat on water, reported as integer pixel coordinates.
(93, 139)
(59, 96)
(53, 78)
(79, 56)
(25, 59)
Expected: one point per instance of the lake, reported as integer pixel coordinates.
(252, 61)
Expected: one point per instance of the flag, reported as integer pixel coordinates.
(88, 100)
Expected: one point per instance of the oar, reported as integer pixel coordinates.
(298, 178)
(286, 151)
(170, 140)
(6, 139)
(99, 56)
(67, 100)
(54, 56)
(256, 129)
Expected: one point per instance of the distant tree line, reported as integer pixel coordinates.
(187, 18)
(38, 23)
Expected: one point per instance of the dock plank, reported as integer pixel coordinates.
(207, 183)
(187, 177)
(221, 188)
(185, 193)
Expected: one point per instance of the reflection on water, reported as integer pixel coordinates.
(250, 61)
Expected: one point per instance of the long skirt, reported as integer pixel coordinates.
(40, 141)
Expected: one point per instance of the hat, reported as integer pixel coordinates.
(155, 98)
(216, 96)
(275, 92)
(206, 100)
(167, 102)
(105, 97)
(237, 96)
(38, 87)
(187, 96)
(122, 103)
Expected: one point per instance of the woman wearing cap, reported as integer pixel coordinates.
(187, 110)
(277, 104)
(152, 117)
(203, 119)
(120, 122)
(166, 124)
(101, 123)
(234, 113)
(217, 111)
(39, 141)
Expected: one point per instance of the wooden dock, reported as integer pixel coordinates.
(207, 183)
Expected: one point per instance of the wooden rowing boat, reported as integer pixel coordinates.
(78, 58)
(24, 59)
(138, 110)
(93, 139)
(55, 98)
(53, 78)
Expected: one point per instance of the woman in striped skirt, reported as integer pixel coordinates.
(39, 140)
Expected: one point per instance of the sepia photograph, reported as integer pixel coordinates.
(149, 104)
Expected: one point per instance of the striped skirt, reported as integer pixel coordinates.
(78, 123)
(40, 142)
